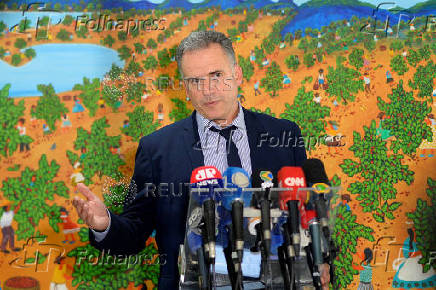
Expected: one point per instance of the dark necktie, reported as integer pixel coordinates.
(233, 159)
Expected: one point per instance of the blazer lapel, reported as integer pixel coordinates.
(192, 142)
(254, 131)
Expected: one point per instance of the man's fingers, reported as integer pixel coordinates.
(86, 191)
(325, 276)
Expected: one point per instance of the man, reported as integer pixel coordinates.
(22, 132)
(6, 225)
(211, 77)
(367, 81)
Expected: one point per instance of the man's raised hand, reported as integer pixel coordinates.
(92, 210)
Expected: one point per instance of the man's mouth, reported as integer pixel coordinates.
(211, 103)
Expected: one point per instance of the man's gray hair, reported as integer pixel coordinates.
(202, 39)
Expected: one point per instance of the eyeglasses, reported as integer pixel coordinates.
(212, 81)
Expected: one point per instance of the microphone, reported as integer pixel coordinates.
(315, 246)
(293, 200)
(207, 177)
(317, 178)
(233, 201)
(264, 179)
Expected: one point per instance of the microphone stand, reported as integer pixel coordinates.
(265, 224)
(289, 255)
(331, 250)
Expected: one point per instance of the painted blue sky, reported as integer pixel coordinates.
(401, 3)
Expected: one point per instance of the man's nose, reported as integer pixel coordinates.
(209, 86)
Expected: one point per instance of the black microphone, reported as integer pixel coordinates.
(316, 176)
(264, 179)
(289, 255)
(294, 225)
(315, 245)
(209, 225)
(238, 227)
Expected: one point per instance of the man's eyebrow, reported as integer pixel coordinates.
(210, 74)
(214, 72)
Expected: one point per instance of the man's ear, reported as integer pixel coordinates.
(238, 74)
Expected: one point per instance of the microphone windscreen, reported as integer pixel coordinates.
(314, 171)
(260, 176)
(293, 178)
(205, 177)
(235, 177)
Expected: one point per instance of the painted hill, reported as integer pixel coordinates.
(145, 4)
(320, 3)
(427, 7)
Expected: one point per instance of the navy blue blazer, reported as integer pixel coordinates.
(169, 155)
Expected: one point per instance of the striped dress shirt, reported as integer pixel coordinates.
(214, 145)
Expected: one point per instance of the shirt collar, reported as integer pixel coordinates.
(204, 124)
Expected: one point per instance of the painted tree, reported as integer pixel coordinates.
(98, 159)
(423, 218)
(24, 25)
(346, 232)
(63, 35)
(396, 45)
(273, 79)
(164, 57)
(292, 62)
(34, 190)
(413, 57)
(369, 44)
(179, 110)
(90, 94)
(309, 115)
(268, 46)
(151, 43)
(2, 27)
(139, 47)
(10, 113)
(398, 65)
(49, 106)
(343, 83)
(122, 35)
(111, 95)
(150, 63)
(115, 72)
(135, 91)
(425, 52)
(108, 40)
(260, 55)
(68, 20)
(308, 60)
(405, 119)
(356, 58)
(141, 123)
(247, 67)
(133, 68)
(82, 32)
(377, 173)
(124, 52)
(303, 44)
(423, 80)
(20, 43)
(16, 59)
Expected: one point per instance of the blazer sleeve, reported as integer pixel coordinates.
(129, 230)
